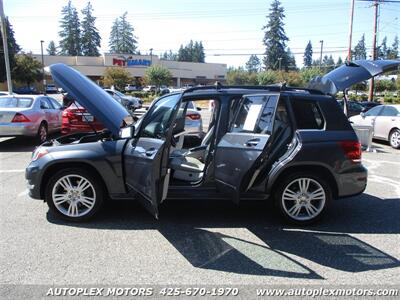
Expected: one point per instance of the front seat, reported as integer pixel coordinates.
(187, 168)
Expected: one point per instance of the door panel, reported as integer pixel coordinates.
(245, 144)
(146, 156)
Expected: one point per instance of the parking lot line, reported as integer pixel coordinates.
(12, 171)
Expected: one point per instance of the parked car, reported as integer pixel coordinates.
(129, 102)
(25, 90)
(33, 116)
(354, 108)
(385, 120)
(290, 145)
(193, 121)
(51, 89)
(149, 88)
(132, 88)
(75, 118)
(367, 105)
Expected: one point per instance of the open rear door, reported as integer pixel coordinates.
(146, 155)
(245, 144)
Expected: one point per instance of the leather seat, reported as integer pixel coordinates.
(187, 168)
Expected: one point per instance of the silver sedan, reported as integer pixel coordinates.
(28, 115)
(385, 120)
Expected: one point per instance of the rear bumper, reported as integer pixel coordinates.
(352, 183)
(18, 129)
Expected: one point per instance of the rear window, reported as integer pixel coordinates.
(308, 115)
(15, 102)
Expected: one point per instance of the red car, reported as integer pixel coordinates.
(75, 118)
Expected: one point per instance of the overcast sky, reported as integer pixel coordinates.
(224, 26)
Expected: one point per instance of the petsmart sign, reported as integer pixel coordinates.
(130, 61)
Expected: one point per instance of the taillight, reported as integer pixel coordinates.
(193, 116)
(18, 118)
(352, 150)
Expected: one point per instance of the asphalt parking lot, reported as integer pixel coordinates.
(201, 242)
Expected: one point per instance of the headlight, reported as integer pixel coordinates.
(38, 153)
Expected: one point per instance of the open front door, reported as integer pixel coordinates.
(245, 144)
(146, 155)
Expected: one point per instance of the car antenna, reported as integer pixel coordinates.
(218, 85)
(283, 86)
(84, 116)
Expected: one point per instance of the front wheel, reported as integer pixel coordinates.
(303, 197)
(74, 194)
(394, 138)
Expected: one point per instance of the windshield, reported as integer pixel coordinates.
(119, 94)
(15, 102)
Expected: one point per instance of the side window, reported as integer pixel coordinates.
(307, 114)
(158, 120)
(54, 102)
(255, 114)
(44, 104)
(373, 111)
(389, 111)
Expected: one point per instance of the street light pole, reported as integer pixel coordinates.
(5, 46)
(320, 56)
(371, 83)
(44, 78)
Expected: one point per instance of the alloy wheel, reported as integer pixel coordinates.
(74, 195)
(303, 199)
(395, 139)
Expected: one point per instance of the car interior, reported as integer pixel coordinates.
(188, 162)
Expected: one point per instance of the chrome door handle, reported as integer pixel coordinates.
(252, 142)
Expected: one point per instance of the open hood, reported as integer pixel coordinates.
(351, 73)
(92, 97)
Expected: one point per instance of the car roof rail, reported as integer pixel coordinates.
(273, 88)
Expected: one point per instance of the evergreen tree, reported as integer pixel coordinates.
(51, 48)
(339, 62)
(192, 52)
(90, 35)
(13, 48)
(253, 65)
(360, 51)
(307, 57)
(198, 52)
(275, 38)
(291, 60)
(169, 55)
(383, 49)
(70, 34)
(393, 52)
(122, 39)
(328, 63)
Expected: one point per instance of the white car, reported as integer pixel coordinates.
(385, 120)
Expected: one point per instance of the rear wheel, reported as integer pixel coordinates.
(303, 197)
(394, 138)
(74, 194)
(41, 135)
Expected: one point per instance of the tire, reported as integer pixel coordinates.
(394, 138)
(42, 133)
(73, 203)
(297, 206)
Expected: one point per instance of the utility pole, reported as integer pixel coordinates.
(350, 30)
(320, 56)
(151, 56)
(5, 46)
(43, 75)
(371, 83)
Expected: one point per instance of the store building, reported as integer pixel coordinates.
(183, 73)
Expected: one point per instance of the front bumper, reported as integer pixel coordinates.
(33, 175)
(18, 129)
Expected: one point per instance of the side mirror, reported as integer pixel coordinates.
(127, 132)
(362, 114)
(198, 108)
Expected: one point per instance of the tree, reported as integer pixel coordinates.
(253, 65)
(117, 77)
(192, 52)
(169, 55)
(122, 40)
(158, 75)
(51, 48)
(27, 69)
(275, 38)
(339, 62)
(267, 77)
(307, 57)
(13, 48)
(385, 85)
(309, 73)
(360, 51)
(393, 52)
(239, 76)
(291, 60)
(383, 49)
(70, 33)
(328, 63)
(90, 35)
